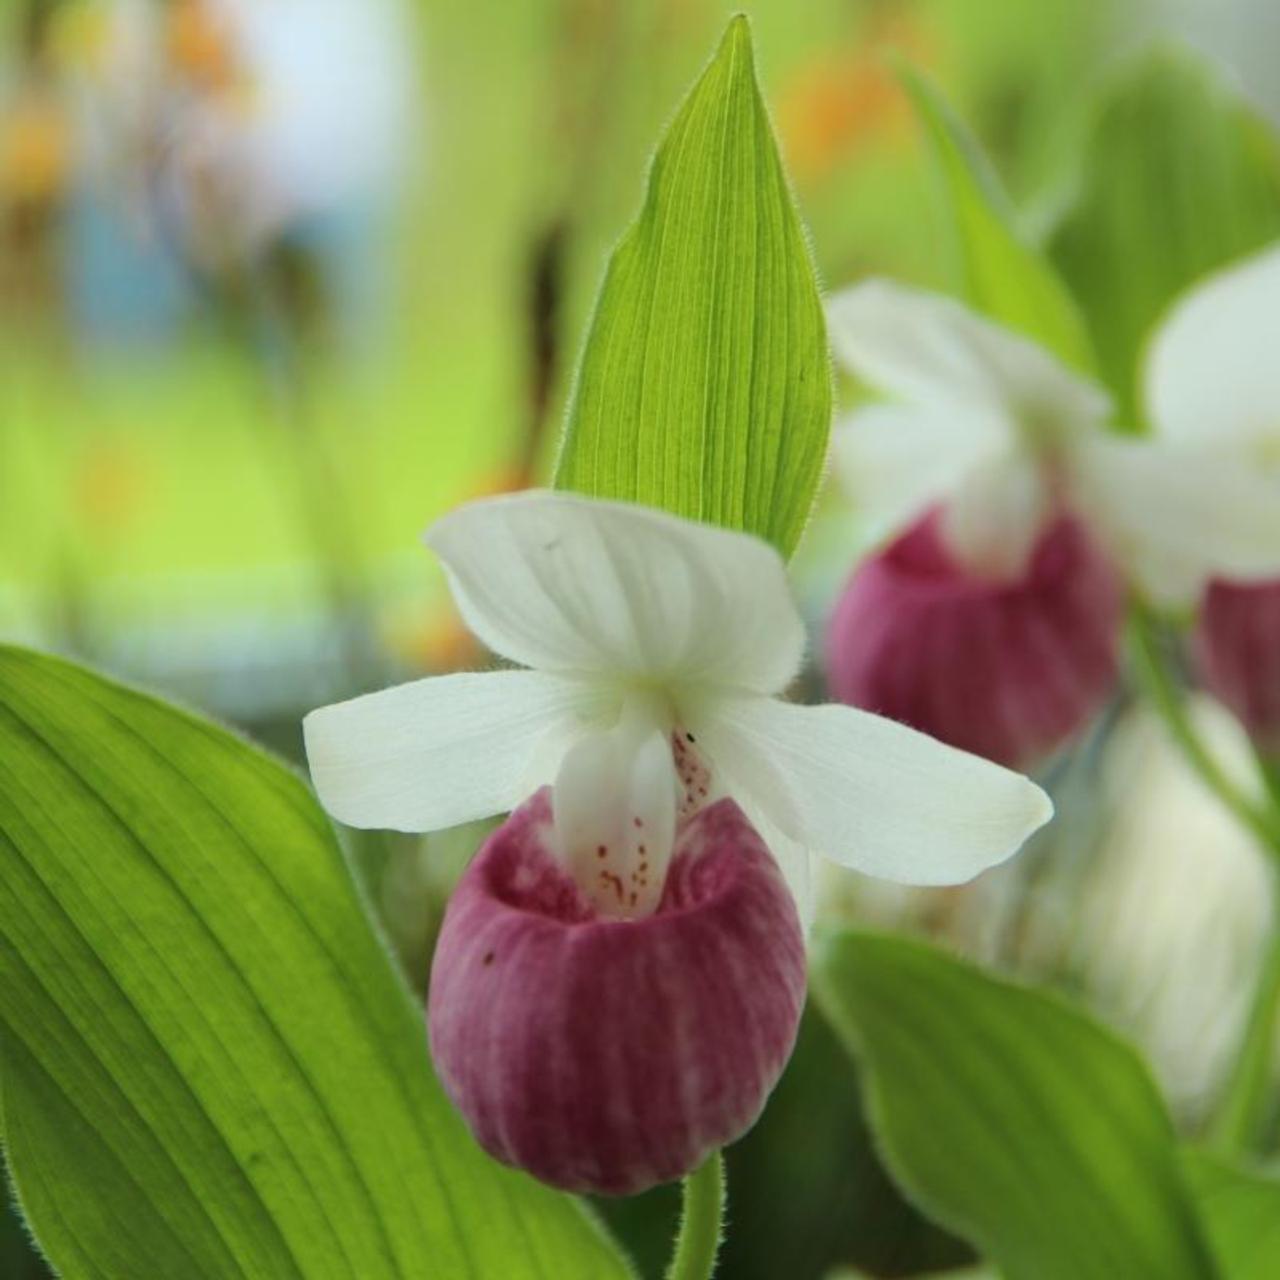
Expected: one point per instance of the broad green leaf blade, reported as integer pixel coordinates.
(999, 271)
(1241, 1214)
(1012, 1118)
(210, 1067)
(967, 1273)
(705, 386)
(1178, 177)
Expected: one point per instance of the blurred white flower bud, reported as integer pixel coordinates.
(1177, 904)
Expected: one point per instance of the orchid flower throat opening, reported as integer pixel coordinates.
(1045, 432)
(1266, 449)
(619, 796)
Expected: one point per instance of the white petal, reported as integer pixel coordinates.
(895, 460)
(568, 584)
(994, 520)
(615, 817)
(1212, 370)
(870, 793)
(931, 351)
(437, 752)
(1177, 515)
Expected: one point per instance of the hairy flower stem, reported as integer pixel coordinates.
(1238, 1127)
(702, 1223)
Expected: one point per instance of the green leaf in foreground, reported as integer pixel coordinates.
(1001, 273)
(1241, 1213)
(18, 1259)
(210, 1068)
(705, 386)
(1011, 1117)
(967, 1273)
(1178, 177)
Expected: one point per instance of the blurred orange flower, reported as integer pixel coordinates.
(200, 46)
(845, 98)
(34, 149)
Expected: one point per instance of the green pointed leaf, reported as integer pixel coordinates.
(210, 1068)
(1011, 1117)
(705, 387)
(1241, 1213)
(1178, 177)
(999, 271)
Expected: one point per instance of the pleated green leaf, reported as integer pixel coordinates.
(1011, 1117)
(705, 387)
(1178, 177)
(210, 1068)
(1241, 1213)
(998, 270)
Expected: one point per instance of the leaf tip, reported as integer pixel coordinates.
(737, 36)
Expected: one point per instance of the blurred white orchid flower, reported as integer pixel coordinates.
(1212, 374)
(1213, 378)
(1176, 905)
(657, 649)
(1006, 436)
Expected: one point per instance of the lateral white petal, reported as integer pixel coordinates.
(872, 794)
(932, 351)
(1176, 515)
(437, 752)
(1212, 370)
(569, 584)
(895, 460)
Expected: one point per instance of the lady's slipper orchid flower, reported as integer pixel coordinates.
(1213, 381)
(1006, 669)
(657, 649)
(1236, 650)
(1006, 437)
(999, 453)
(606, 1054)
(634, 897)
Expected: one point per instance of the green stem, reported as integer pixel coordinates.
(1270, 766)
(1243, 1109)
(1246, 1100)
(701, 1224)
(1165, 694)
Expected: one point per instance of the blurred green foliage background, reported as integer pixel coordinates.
(188, 504)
